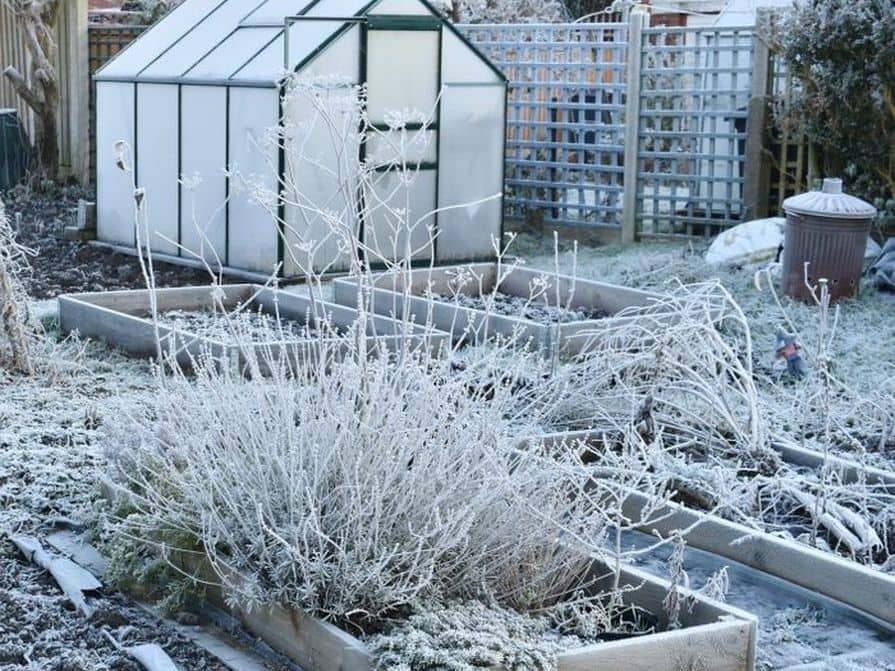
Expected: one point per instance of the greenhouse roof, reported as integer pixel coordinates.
(239, 43)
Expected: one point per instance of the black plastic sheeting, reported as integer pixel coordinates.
(13, 149)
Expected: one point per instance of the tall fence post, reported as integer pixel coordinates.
(78, 73)
(757, 166)
(638, 20)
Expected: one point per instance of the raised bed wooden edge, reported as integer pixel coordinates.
(713, 635)
(119, 319)
(844, 580)
(467, 323)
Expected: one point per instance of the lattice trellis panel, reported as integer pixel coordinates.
(695, 89)
(565, 114)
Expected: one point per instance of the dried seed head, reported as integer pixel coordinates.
(120, 149)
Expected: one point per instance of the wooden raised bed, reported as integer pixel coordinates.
(475, 326)
(713, 635)
(121, 319)
(841, 579)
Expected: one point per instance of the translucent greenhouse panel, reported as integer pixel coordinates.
(161, 36)
(339, 8)
(265, 66)
(114, 188)
(390, 147)
(401, 7)
(234, 52)
(275, 11)
(203, 160)
(312, 239)
(157, 153)
(462, 64)
(201, 40)
(470, 169)
(387, 231)
(402, 73)
(253, 231)
(340, 58)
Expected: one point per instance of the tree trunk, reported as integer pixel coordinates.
(37, 22)
(46, 143)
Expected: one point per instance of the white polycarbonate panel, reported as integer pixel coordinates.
(397, 147)
(275, 11)
(402, 73)
(461, 63)
(266, 66)
(339, 8)
(400, 209)
(339, 60)
(470, 169)
(157, 162)
(400, 7)
(202, 164)
(233, 53)
(319, 155)
(205, 37)
(161, 36)
(114, 188)
(253, 231)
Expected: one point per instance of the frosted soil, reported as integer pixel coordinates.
(795, 626)
(536, 309)
(48, 472)
(230, 328)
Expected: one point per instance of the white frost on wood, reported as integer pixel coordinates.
(73, 580)
(152, 657)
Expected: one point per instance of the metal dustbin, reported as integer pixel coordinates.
(828, 230)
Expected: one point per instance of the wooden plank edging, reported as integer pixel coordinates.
(571, 338)
(841, 579)
(117, 317)
(713, 632)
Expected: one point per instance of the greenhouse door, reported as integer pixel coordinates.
(403, 75)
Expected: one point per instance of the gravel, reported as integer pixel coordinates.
(61, 266)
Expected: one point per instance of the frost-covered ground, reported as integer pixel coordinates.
(48, 475)
(863, 356)
(49, 460)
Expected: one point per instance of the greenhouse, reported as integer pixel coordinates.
(197, 95)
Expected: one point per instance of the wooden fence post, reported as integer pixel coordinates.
(74, 67)
(757, 166)
(638, 20)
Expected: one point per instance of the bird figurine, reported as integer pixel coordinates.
(787, 347)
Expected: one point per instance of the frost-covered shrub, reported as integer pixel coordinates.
(842, 55)
(469, 636)
(17, 332)
(357, 491)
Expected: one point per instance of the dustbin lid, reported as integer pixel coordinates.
(830, 202)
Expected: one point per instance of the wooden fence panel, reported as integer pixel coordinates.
(71, 65)
(565, 118)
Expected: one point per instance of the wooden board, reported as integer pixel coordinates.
(119, 318)
(396, 293)
(713, 632)
(844, 580)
